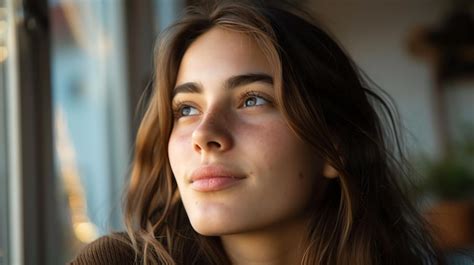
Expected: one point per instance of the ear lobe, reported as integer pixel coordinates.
(329, 171)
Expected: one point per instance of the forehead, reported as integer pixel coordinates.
(220, 53)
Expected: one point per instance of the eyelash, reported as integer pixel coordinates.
(179, 105)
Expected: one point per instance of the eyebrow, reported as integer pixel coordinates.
(230, 83)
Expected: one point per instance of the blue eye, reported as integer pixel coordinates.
(188, 111)
(254, 101)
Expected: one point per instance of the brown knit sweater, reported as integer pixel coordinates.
(110, 250)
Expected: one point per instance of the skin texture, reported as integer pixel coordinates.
(261, 219)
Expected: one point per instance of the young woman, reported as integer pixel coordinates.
(262, 144)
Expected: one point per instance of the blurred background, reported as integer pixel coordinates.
(73, 72)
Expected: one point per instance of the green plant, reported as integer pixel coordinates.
(452, 178)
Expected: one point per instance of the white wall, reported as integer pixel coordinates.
(375, 34)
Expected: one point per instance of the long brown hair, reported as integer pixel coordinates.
(364, 218)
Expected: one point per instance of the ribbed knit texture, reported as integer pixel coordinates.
(106, 250)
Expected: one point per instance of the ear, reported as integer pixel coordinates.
(329, 171)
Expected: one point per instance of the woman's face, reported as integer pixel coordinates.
(238, 166)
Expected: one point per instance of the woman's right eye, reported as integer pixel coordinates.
(187, 110)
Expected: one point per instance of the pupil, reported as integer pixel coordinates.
(185, 111)
(250, 102)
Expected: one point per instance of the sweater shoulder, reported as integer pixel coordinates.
(113, 249)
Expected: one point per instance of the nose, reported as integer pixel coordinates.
(212, 134)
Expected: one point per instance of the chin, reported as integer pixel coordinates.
(215, 226)
(207, 228)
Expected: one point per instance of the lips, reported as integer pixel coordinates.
(214, 178)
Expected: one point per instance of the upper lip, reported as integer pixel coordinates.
(214, 171)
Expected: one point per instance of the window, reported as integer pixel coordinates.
(5, 88)
(70, 79)
(90, 117)
(3, 137)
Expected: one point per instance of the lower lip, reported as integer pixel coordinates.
(214, 184)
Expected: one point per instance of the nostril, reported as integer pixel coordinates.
(209, 146)
(213, 144)
(197, 148)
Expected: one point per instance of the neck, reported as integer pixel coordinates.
(275, 245)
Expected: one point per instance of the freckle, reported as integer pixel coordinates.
(301, 175)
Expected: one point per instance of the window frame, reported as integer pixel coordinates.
(35, 159)
(33, 218)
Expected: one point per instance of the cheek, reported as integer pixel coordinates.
(275, 145)
(279, 155)
(178, 150)
(262, 135)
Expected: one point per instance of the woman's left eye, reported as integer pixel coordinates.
(252, 101)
